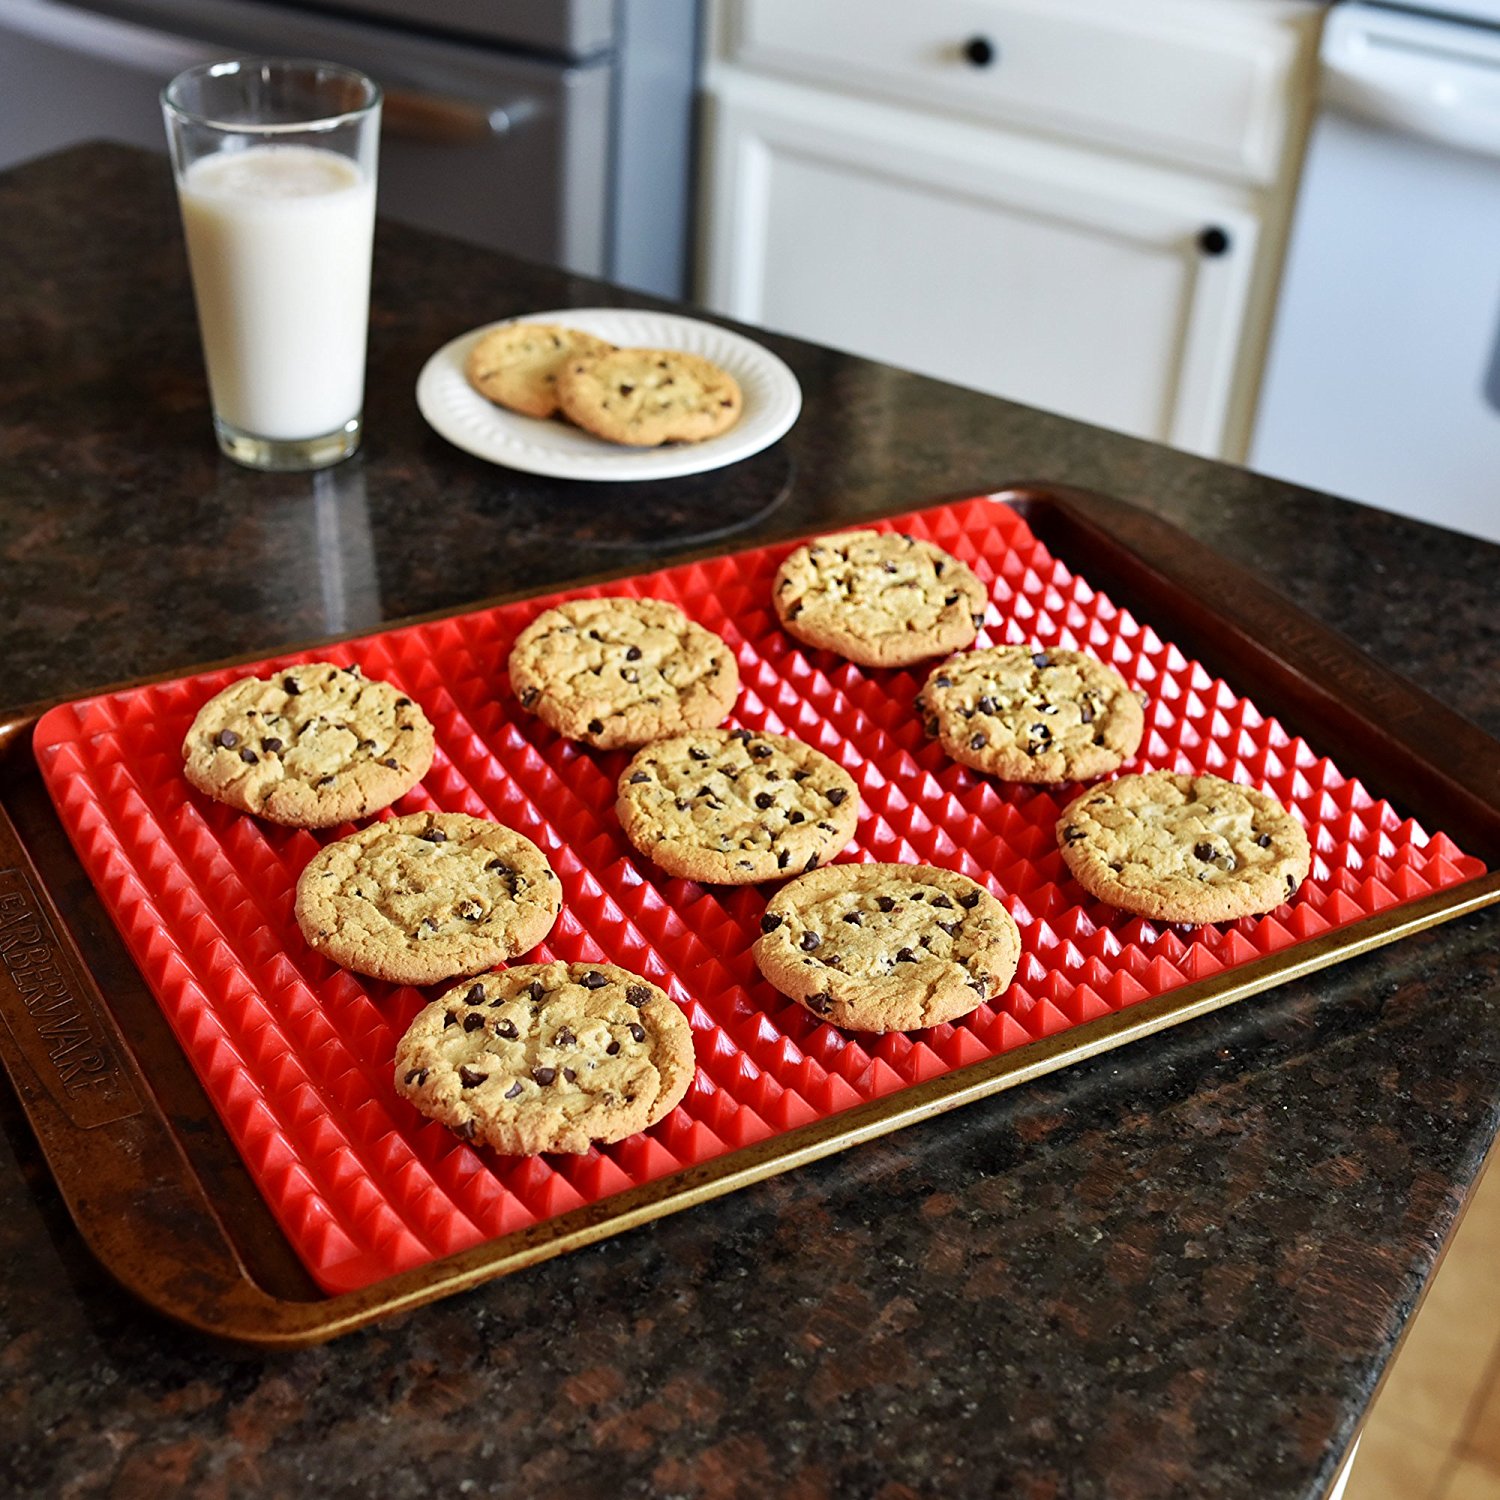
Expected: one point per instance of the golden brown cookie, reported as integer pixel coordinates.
(732, 806)
(427, 897)
(1029, 714)
(644, 397)
(887, 947)
(517, 364)
(548, 1057)
(881, 598)
(1184, 848)
(619, 671)
(310, 747)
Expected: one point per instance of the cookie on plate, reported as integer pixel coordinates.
(310, 747)
(732, 806)
(517, 364)
(548, 1057)
(619, 671)
(881, 598)
(1184, 848)
(645, 397)
(1029, 714)
(427, 897)
(887, 947)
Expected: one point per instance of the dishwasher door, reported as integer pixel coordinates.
(1383, 378)
(496, 146)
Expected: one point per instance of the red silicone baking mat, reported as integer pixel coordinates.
(297, 1054)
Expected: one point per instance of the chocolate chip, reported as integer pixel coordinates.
(633, 654)
(886, 903)
(812, 863)
(837, 795)
(468, 1130)
(969, 900)
(530, 696)
(1203, 851)
(470, 911)
(1072, 834)
(905, 956)
(535, 990)
(403, 702)
(800, 775)
(417, 1076)
(980, 984)
(544, 1076)
(696, 753)
(637, 777)
(596, 726)
(249, 757)
(594, 980)
(449, 1020)
(811, 940)
(434, 836)
(291, 686)
(637, 1032)
(764, 800)
(1086, 712)
(610, 1050)
(783, 859)
(227, 738)
(570, 1075)
(770, 922)
(391, 762)
(979, 740)
(475, 995)
(270, 746)
(1291, 884)
(740, 734)
(1264, 841)
(986, 705)
(1040, 660)
(952, 928)
(1041, 731)
(942, 900)
(761, 752)
(473, 1021)
(515, 1090)
(821, 1004)
(796, 817)
(470, 1078)
(565, 1038)
(506, 1029)
(637, 995)
(951, 599)
(943, 682)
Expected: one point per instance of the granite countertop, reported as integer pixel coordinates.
(1178, 1270)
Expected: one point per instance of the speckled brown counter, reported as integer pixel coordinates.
(1177, 1271)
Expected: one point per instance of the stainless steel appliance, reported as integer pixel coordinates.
(560, 130)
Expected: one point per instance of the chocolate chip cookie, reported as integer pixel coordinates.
(1029, 714)
(1184, 848)
(310, 747)
(548, 1057)
(645, 397)
(427, 897)
(731, 806)
(517, 364)
(881, 598)
(619, 671)
(887, 947)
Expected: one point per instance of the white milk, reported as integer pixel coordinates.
(278, 239)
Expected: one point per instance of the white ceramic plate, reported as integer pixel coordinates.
(457, 411)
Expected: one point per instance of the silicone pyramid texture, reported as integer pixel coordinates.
(297, 1054)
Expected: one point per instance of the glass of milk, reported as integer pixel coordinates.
(275, 165)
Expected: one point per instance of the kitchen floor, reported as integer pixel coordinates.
(1434, 1432)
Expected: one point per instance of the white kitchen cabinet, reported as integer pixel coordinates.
(1114, 286)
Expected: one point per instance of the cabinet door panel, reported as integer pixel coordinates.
(996, 272)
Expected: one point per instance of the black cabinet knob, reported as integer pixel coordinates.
(1213, 240)
(980, 51)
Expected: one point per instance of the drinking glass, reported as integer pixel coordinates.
(275, 163)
